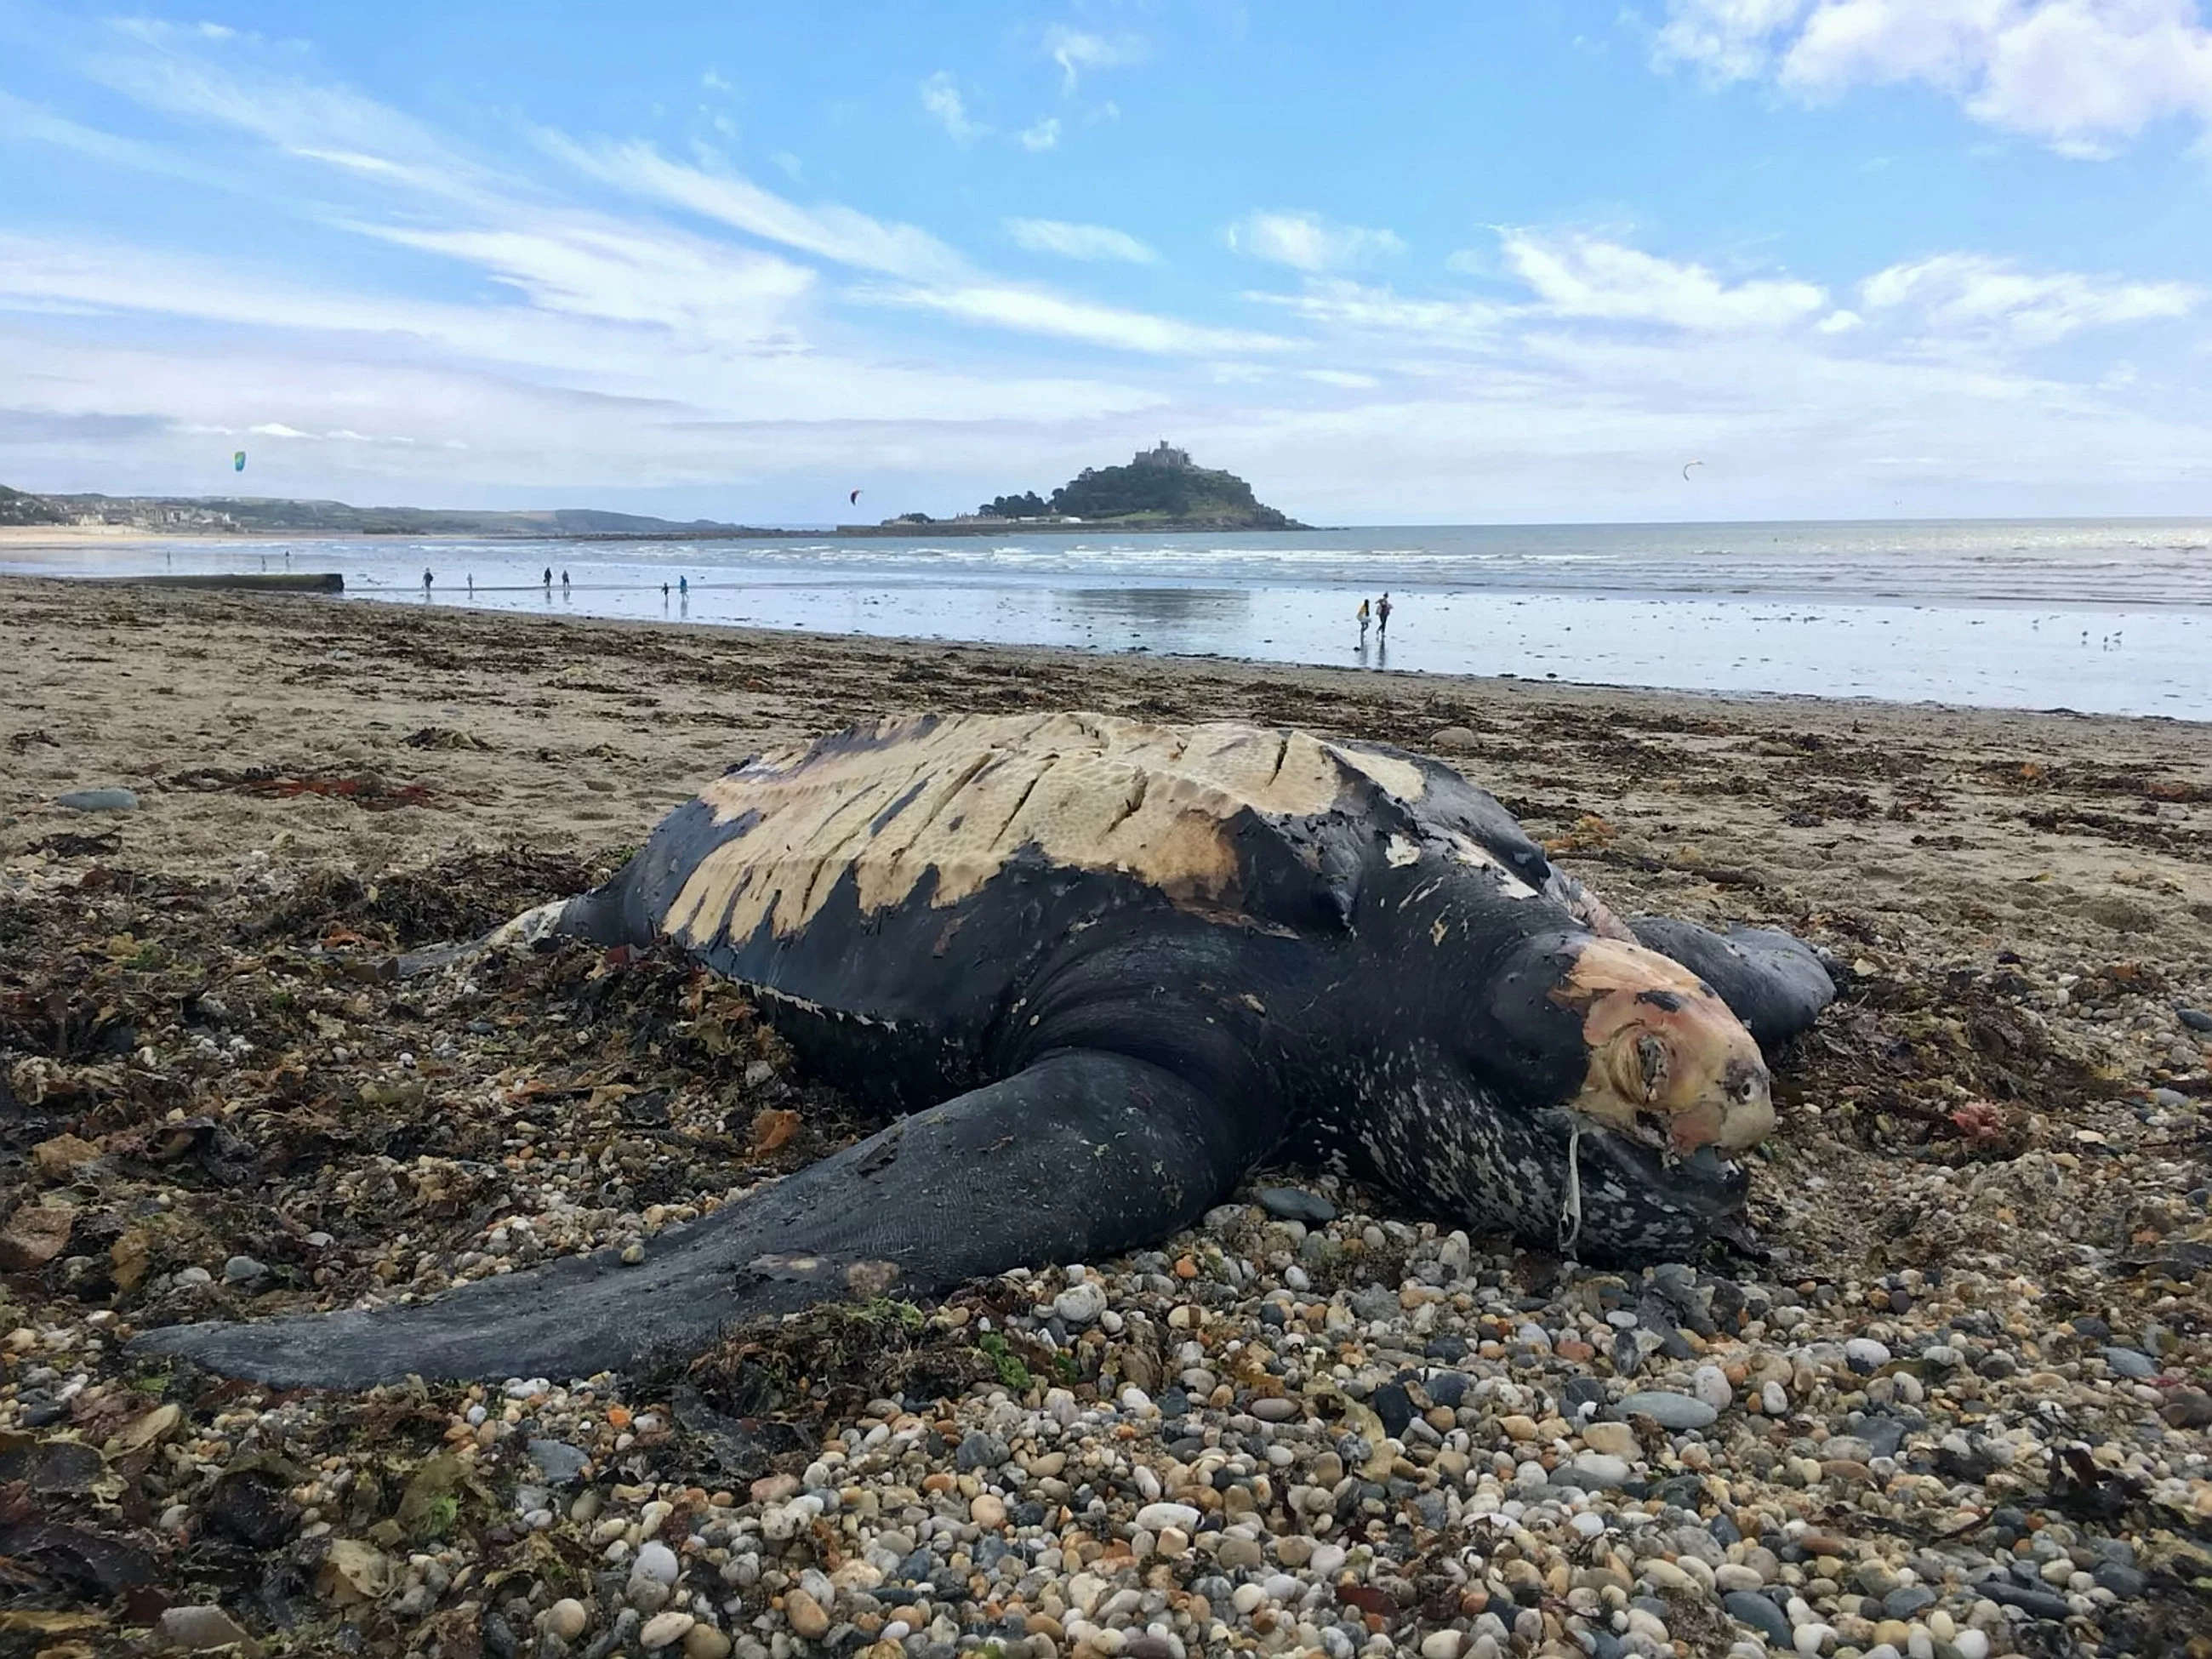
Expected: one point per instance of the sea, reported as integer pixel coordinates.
(2103, 615)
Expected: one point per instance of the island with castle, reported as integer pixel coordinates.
(1159, 488)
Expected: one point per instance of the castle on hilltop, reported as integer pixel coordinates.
(1165, 454)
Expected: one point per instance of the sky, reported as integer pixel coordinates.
(1429, 263)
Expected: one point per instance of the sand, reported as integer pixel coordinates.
(575, 735)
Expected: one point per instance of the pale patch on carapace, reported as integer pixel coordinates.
(1668, 1061)
(1468, 851)
(1399, 778)
(961, 796)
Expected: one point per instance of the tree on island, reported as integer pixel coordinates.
(1027, 505)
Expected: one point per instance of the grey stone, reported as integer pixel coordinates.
(198, 1628)
(2128, 1363)
(1376, 1302)
(1907, 1600)
(2037, 1603)
(557, 1461)
(1748, 1608)
(1296, 1204)
(1081, 1305)
(2125, 1583)
(1592, 1472)
(981, 1452)
(656, 1563)
(99, 800)
(1668, 1411)
(241, 1269)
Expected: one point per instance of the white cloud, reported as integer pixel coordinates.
(1033, 311)
(940, 96)
(1970, 295)
(708, 291)
(1043, 135)
(2083, 75)
(307, 121)
(1577, 275)
(1074, 241)
(714, 83)
(1076, 51)
(826, 230)
(1306, 241)
(1338, 304)
(1840, 321)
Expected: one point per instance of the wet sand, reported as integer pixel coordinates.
(576, 735)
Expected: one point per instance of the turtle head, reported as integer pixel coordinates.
(1670, 1066)
(1673, 1087)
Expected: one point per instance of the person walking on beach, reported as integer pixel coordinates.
(473, 584)
(1364, 615)
(549, 578)
(1382, 617)
(684, 585)
(426, 584)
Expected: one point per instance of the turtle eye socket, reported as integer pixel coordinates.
(1651, 1059)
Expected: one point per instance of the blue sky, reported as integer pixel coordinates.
(1426, 263)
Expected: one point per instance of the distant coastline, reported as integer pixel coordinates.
(1159, 490)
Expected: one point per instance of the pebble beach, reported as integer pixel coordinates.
(1957, 1403)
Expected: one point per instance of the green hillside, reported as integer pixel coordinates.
(17, 508)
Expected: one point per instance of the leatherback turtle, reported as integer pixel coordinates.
(1097, 971)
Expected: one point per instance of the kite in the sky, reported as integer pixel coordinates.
(1686, 470)
(238, 461)
(855, 498)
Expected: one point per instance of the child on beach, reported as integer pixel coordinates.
(1383, 616)
(1364, 614)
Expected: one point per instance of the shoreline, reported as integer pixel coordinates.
(803, 606)
(1744, 702)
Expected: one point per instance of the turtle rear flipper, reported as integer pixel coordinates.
(1772, 981)
(1081, 1155)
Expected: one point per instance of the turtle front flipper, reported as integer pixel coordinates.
(1081, 1155)
(1772, 981)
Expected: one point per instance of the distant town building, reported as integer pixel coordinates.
(1164, 454)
